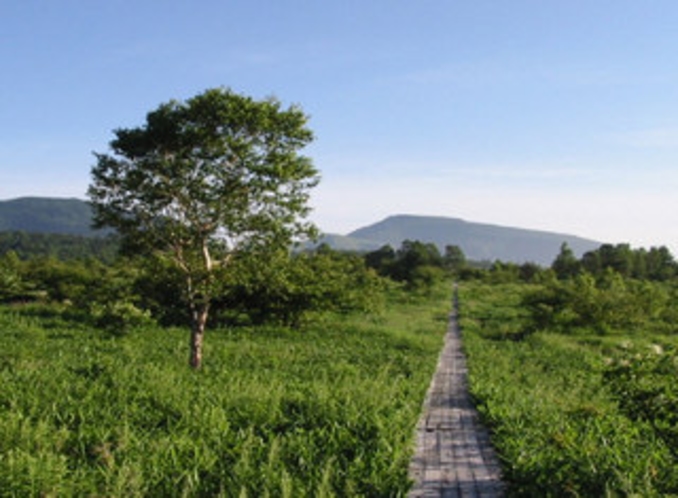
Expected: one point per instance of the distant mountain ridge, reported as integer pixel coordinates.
(479, 241)
(47, 215)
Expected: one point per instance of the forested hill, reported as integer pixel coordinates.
(46, 215)
(478, 241)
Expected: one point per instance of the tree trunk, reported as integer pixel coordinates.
(198, 334)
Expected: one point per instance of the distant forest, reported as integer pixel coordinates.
(60, 246)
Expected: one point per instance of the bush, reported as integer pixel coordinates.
(602, 304)
(119, 317)
(285, 289)
(13, 285)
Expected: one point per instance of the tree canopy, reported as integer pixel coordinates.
(206, 180)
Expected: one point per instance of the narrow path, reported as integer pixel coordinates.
(453, 456)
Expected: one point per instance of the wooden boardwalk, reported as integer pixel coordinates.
(453, 456)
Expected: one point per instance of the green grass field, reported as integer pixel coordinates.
(330, 409)
(578, 414)
(327, 410)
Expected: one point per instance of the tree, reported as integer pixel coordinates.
(203, 181)
(660, 264)
(566, 264)
(418, 264)
(591, 262)
(530, 272)
(617, 257)
(455, 259)
(381, 260)
(13, 286)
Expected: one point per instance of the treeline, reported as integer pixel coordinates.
(91, 280)
(656, 264)
(132, 291)
(60, 246)
(612, 289)
(416, 264)
(604, 289)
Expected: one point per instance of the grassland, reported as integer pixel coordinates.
(572, 414)
(327, 410)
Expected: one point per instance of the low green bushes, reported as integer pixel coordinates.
(601, 304)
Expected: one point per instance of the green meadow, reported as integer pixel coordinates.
(572, 369)
(575, 411)
(328, 409)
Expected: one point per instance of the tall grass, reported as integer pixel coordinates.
(557, 424)
(328, 410)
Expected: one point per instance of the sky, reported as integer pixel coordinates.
(558, 115)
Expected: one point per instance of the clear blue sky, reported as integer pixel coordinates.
(551, 114)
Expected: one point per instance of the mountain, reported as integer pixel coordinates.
(47, 215)
(479, 241)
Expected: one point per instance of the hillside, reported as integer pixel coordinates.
(46, 215)
(479, 241)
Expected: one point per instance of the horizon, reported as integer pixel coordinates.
(374, 222)
(558, 116)
(348, 232)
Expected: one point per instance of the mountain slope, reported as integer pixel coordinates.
(479, 241)
(46, 215)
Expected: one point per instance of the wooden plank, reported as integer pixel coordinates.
(453, 455)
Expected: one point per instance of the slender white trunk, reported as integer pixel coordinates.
(199, 319)
(199, 309)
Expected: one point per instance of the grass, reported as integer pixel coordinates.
(560, 420)
(328, 410)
